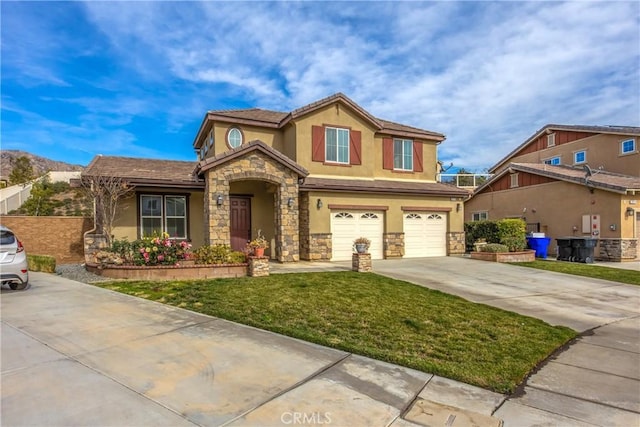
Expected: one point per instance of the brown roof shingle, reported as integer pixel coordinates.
(151, 172)
(383, 186)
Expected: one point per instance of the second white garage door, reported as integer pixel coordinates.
(348, 226)
(425, 234)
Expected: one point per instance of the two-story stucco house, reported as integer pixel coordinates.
(312, 180)
(570, 181)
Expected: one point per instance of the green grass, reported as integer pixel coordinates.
(375, 316)
(588, 270)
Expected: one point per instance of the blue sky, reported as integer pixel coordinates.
(136, 78)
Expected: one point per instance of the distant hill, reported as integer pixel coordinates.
(41, 165)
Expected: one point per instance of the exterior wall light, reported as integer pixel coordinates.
(629, 211)
(290, 202)
(219, 200)
(319, 203)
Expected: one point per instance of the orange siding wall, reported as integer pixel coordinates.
(562, 137)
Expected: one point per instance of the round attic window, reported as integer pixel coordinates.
(234, 138)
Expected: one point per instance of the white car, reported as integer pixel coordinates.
(13, 261)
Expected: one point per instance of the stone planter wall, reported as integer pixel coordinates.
(524, 256)
(258, 266)
(361, 262)
(169, 272)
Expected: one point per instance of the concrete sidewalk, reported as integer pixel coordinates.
(75, 354)
(596, 381)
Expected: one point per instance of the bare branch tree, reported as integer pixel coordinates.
(107, 192)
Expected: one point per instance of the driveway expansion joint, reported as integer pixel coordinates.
(597, 402)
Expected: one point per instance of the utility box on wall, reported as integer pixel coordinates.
(591, 225)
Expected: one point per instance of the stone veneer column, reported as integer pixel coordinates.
(617, 249)
(361, 262)
(218, 226)
(287, 221)
(258, 266)
(393, 244)
(303, 226)
(456, 243)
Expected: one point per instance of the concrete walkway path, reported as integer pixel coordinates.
(75, 354)
(596, 381)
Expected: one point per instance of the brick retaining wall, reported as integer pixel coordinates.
(57, 236)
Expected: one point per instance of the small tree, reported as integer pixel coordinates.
(107, 192)
(39, 202)
(22, 171)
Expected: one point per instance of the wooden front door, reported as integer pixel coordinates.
(240, 222)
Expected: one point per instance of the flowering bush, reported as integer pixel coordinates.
(156, 250)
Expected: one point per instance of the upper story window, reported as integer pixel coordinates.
(211, 139)
(337, 145)
(551, 140)
(514, 180)
(628, 146)
(579, 157)
(403, 154)
(553, 161)
(163, 213)
(201, 153)
(480, 216)
(234, 138)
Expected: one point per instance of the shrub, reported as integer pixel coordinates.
(494, 247)
(218, 254)
(476, 230)
(44, 263)
(151, 250)
(512, 232)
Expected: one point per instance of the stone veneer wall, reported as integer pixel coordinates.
(456, 243)
(304, 225)
(254, 166)
(393, 244)
(258, 266)
(361, 262)
(93, 243)
(618, 249)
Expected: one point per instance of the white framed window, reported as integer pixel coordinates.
(579, 157)
(201, 153)
(403, 154)
(553, 161)
(163, 213)
(628, 146)
(211, 139)
(480, 216)
(514, 180)
(336, 145)
(234, 138)
(551, 140)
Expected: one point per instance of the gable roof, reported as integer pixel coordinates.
(276, 119)
(145, 172)
(615, 130)
(600, 179)
(255, 145)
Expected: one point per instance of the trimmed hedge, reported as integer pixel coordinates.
(494, 248)
(43, 263)
(510, 232)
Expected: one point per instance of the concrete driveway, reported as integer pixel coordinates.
(75, 354)
(596, 381)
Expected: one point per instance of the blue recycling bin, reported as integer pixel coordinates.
(540, 245)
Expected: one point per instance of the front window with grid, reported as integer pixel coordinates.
(159, 214)
(480, 216)
(403, 154)
(337, 145)
(628, 146)
(579, 157)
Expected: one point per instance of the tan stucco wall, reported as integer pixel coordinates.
(126, 223)
(320, 219)
(558, 206)
(272, 137)
(602, 150)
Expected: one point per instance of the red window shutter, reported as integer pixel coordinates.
(355, 147)
(387, 153)
(417, 156)
(317, 143)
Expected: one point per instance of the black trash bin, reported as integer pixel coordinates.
(564, 248)
(582, 249)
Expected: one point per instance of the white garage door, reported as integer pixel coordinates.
(425, 234)
(348, 226)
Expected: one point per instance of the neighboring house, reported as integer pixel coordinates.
(570, 181)
(312, 180)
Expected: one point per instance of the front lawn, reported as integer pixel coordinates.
(375, 316)
(588, 270)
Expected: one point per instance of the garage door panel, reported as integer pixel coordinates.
(425, 234)
(348, 226)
